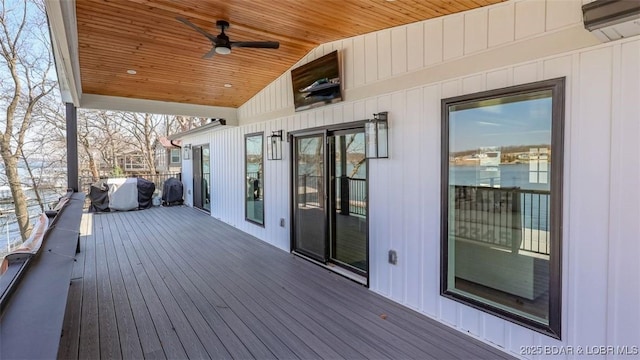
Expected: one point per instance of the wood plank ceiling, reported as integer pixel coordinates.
(143, 35)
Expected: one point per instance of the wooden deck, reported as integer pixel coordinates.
(175, 283)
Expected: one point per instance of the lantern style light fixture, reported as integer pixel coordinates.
(186, 152)
(274, 145)
(376, 133)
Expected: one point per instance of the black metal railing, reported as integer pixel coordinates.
(351, 195)
(511, 218)
(157, 179)
(535, 226)
(310, 190)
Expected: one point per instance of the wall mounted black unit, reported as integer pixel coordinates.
(612, 19)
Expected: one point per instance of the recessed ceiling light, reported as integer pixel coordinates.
(228, 85)
(131, 72)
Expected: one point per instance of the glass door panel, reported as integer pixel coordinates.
(310, 200)
(201, 165)
(206, 201)
(197, 177)
(349, 200)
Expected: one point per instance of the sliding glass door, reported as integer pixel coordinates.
(330, 198)
(201, 166)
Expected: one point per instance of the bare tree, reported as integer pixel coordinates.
(143, 129)
(34, 180)
(356, 147)
(89, 136)
(26, 61)
(177, 123)
(87, 140)
(104, 136)
(43, 158)
(101, 140)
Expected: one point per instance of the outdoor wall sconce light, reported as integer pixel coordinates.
(186, 152)
(274, 145)
(377, 136)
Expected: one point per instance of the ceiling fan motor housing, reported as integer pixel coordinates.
(222, 24)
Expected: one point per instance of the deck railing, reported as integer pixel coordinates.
(510, 218)
(158, 179)
(310, 190)
(351, 193)
(35, 282)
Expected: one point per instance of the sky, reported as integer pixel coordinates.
(254, 145)
(34, 41)
(516, 123)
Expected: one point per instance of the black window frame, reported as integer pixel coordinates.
(246, 207)
(557, 87)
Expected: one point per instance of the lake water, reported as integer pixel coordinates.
(9, 230)
(8, 226)
(508, 175)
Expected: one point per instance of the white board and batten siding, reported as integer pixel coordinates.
(405, 51)
(601, 233)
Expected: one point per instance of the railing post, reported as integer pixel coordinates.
(72, 147)
(345, 195)
(304, 186)
(516, 228)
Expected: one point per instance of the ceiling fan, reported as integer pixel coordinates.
(221, 43)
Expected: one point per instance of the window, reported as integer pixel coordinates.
(175, 156)
(254, 195)
(502, 202)
(161, 161)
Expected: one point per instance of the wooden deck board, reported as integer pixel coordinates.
(213, 264)
(197, 332)
(274, 325)
(89, 347)
(167, 335)
(368, 333)
(340, 290)
(176, 283)
(229, 308)
(368, 338)
(149, 339)
(109, 338)
(365, 338)
(175, 305)
(128, 335)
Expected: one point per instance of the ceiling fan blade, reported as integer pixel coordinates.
(256, 44)
(210, 53)
(194, 27)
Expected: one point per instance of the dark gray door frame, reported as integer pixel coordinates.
(197, 177)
